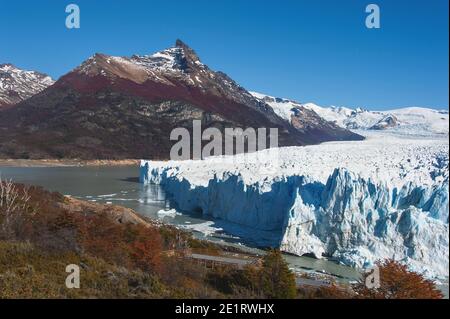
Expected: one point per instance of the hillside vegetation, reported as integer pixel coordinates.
(120, 255)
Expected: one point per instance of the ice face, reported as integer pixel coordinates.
(353, 220)
(358, 222)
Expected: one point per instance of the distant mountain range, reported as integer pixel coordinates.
(410, 120)
(17, 85)
(125, 107)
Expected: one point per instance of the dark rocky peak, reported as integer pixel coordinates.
(187, 52)
(93, 64)
(180, 58)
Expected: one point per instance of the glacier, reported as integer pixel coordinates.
(350, 213)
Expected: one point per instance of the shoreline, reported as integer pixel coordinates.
(65, 162)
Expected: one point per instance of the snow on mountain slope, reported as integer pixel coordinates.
(411, 120)
(305, 119)
(17, 85)
(356, 202)
(422, 119)
(282, 107)
(172, 66)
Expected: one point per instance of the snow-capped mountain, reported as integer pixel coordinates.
(168, 67)
(411, 120)
(17, 85)
(122, 107)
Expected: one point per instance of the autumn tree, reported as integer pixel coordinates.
(277, 280)
(146, 248)
(397, 282)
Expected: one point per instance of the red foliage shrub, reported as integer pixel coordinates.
(145, 247)
(397, 282)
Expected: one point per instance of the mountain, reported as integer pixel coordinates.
(125, 107)
(411, 120)
(305, 119)
(17, 85)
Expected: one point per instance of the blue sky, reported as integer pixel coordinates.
(313, 51)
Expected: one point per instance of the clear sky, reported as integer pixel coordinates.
(309, 50)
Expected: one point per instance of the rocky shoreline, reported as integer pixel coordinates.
(65, 162)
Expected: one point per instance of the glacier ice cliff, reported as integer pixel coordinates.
(350, 219)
